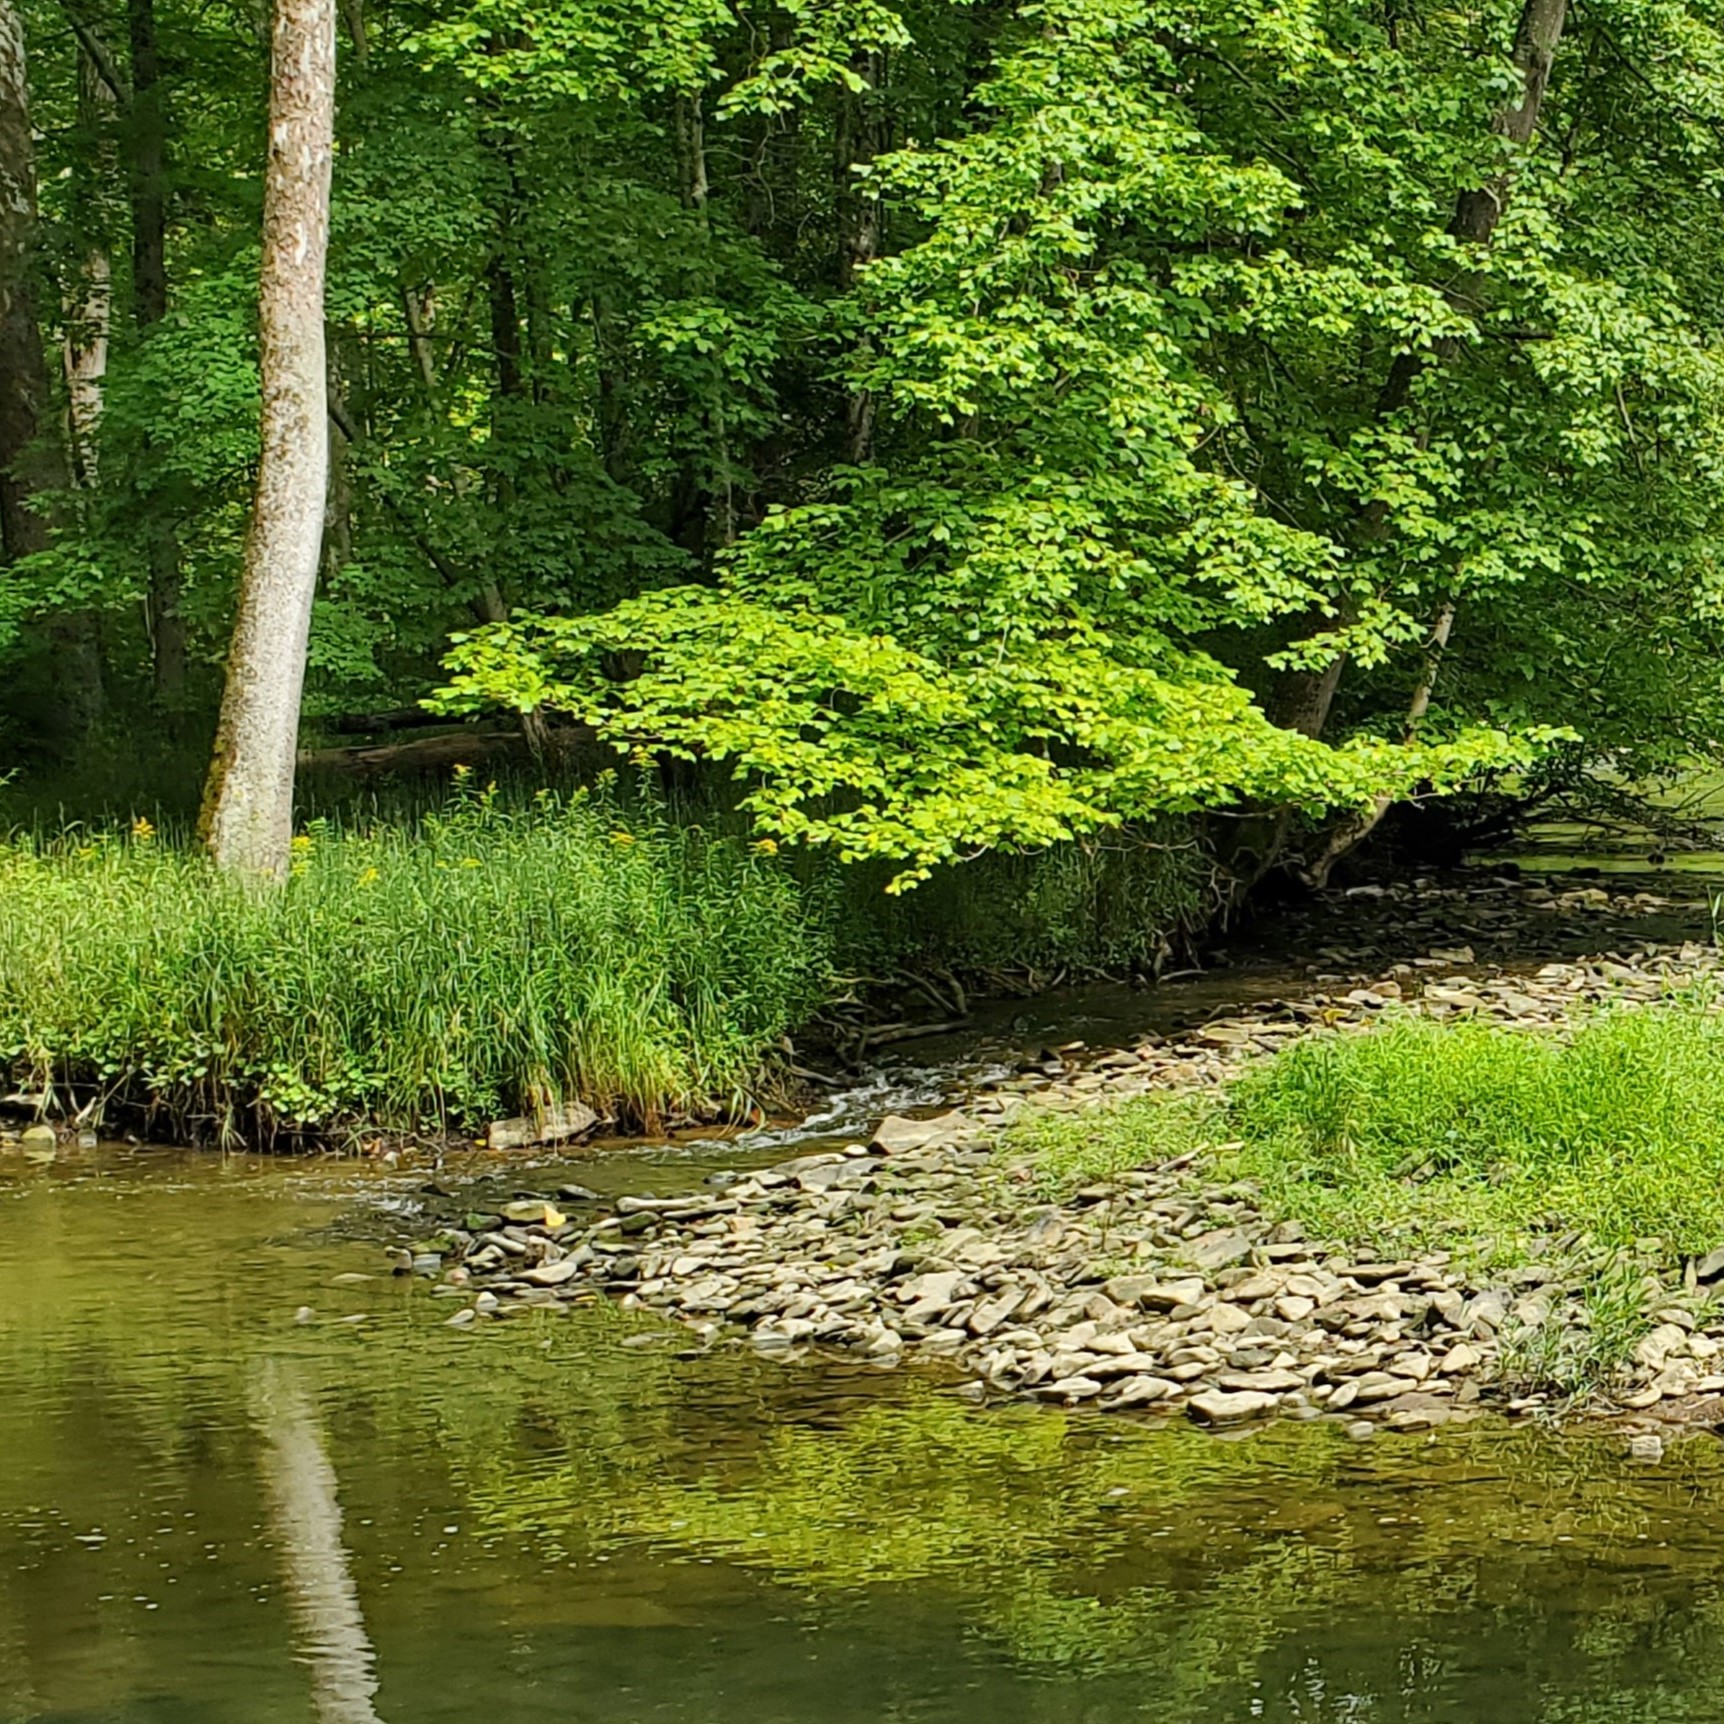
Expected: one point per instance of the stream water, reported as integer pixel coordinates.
(212, 1511)
(247, 1475)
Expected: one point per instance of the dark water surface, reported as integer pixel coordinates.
(212, 1514)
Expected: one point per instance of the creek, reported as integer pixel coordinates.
(248, 1475)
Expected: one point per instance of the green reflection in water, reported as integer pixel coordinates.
(544, 1517)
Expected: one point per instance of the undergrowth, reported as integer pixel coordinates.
(423, 976)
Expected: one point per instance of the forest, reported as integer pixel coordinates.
(888, 466)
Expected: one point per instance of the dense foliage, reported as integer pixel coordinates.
(971, 424)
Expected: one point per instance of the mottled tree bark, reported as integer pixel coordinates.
(248, 803)
(148, 150)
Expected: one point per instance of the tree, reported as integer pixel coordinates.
(23, 373)
(247, 820)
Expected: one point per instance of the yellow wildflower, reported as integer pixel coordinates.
(142, 830)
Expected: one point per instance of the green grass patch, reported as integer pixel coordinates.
(426, 976)
(1462, 1135)
(1065, 1152)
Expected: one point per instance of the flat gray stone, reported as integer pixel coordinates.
(1213, 1407)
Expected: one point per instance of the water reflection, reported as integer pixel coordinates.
(547, 1517)
(306, 1518)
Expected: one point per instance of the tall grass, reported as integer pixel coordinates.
(1462, 1134)
(423, 976)
(1419, 1127)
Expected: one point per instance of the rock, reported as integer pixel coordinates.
(1141, 1390)
(1217, 1250)
(1227, 1319)
(1459, 1359)
(1154, 1295)
(531, 1212)
(462, 1319)
(39, 1137)
(1361, 1430)
(1261, 1382)
(1647, 1447)
(1372, 1274)
(677, 1208)
(934, 1288)
(1653, 1350)
(1070, 1389)
(1126, 1365)
(1045, 1233)
(1294, 1307)
(1417, 1411)
(553, 1125)
(1213, 1407)
(305, 1315)
(896, 1135)
(991, 1313)
(552, 1274)
(1711, 1266)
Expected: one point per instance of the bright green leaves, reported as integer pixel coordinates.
(863, 743)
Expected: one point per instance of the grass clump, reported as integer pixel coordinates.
(1591, 1350)
(1064, 1152)
(1419, 1128)
(1464, 1135)
(421, 976)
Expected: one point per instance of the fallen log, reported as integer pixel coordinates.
(431, 753)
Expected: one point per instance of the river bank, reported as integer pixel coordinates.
(1162, 1287)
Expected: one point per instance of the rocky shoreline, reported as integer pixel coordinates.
(1156, 1290)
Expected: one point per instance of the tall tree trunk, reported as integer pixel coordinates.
(860, 138)
(705, 506)
(23, 373)
(1304, 699)
(247, 819)
(338, 504)
(89, 303)
(149, 195)
(32, 463)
